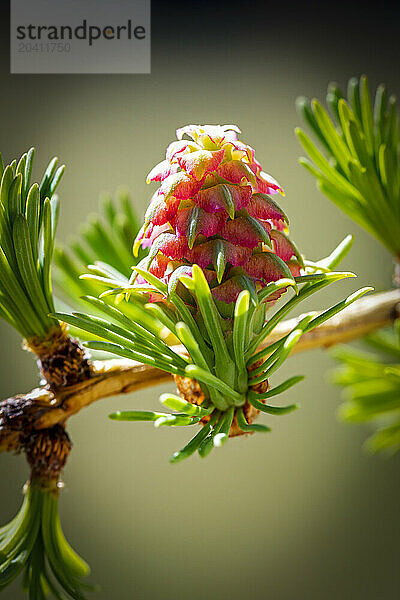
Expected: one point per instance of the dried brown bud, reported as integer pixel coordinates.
(61, 359)
(17, 417)
(47, 451)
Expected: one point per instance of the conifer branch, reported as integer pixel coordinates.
(121, 376)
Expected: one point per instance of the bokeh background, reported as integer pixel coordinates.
(300, 513)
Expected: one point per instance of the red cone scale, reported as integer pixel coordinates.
(214, 209)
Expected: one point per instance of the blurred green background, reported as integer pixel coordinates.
(301, 512)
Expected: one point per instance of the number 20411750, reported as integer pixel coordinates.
(49, 47)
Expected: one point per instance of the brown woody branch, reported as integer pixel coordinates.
(120, 376)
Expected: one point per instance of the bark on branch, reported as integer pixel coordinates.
(120, 376)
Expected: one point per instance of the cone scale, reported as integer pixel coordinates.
(214, 208)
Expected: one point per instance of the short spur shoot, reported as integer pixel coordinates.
(220, 273)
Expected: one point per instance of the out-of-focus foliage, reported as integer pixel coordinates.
(358, 164)
(106, 237)
(371, 386)
(358, 168)
(104, 245)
